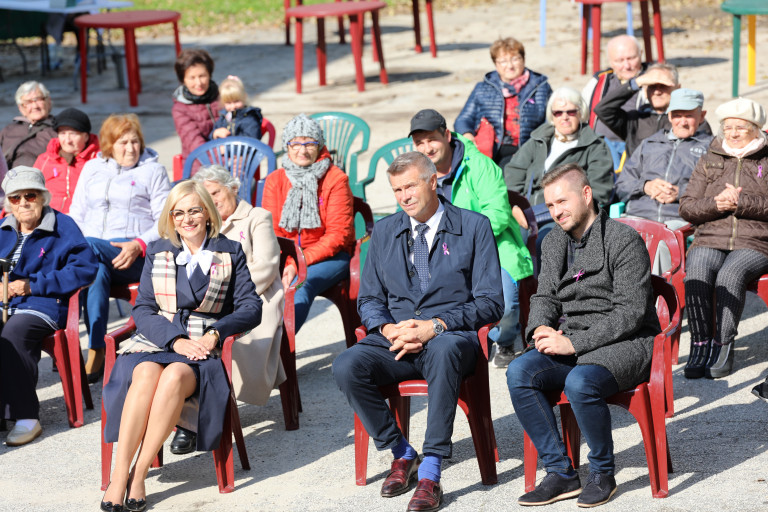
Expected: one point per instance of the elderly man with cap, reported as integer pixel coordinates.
(727, 201)
(468, 179)
(49, 260)
(66, 155)
(634, 126)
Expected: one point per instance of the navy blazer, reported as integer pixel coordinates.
(465, 277)
(242, 306)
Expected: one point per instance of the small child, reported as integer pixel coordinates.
(236, 119)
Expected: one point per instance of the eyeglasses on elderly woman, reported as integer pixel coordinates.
(178, 215)
(295, 146)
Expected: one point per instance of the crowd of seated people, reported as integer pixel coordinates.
(445, 265)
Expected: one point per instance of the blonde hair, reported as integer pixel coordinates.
(165, 225)
(232, 89)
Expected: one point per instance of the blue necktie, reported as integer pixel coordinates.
(421, 256)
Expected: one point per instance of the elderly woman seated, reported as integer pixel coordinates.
(311, 203)
(727, 201)
(66, 155)
(195, 291)
(28, 135)
(117, 204)
(49, 260)
(507, 105)
(256, 365)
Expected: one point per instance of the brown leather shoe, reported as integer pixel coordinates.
(402, 474)
(427, 498)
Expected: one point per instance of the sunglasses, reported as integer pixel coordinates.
(29, 197)
(571, 113)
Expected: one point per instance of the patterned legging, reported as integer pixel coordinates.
(727, 274)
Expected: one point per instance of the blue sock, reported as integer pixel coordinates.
(430, 467)
(403, 450)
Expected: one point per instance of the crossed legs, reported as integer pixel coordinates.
(152, 408)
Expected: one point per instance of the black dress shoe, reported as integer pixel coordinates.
(108, 506)
(183, 442)
(134, 505)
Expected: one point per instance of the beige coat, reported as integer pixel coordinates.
(257, 368)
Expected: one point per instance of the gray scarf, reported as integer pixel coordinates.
(300, 209)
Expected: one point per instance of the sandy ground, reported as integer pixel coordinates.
(717, 437)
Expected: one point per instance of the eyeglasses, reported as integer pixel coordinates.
(507, 62)
(570, 113)
(295, 146)
(29, 197)
(740, 129)
(27, 103)
(178, 215)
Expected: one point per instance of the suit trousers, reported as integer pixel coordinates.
(444, 362)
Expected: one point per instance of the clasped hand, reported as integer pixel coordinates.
(195, 349)
(19, 288)
(662, 191)
(551, 342)
(408, 336)
(728, 199)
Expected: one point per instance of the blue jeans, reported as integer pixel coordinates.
(95, 298)
(586, 386)
(320, 277)
(616, 148)
(509, 327)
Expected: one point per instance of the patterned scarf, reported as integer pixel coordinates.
(300, 210)
(209, 97)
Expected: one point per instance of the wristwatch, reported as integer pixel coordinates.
(437, 326)
(213, 331)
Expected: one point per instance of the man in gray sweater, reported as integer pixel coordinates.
(590, 332)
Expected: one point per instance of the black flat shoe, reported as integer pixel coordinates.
(135, 505)
(697, 359)
(183, 442)
(108, 506)
(95, 377)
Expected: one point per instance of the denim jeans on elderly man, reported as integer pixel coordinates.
(95, 298)
(508, 330)
(531, 375)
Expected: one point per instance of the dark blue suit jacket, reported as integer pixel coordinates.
(465, 277)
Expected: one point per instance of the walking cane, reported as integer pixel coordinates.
(5, 265)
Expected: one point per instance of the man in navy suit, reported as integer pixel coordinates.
(431, 280)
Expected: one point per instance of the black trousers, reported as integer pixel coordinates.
(21, 341)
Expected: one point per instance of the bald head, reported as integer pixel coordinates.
(624, 57)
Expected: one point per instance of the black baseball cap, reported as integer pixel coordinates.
(427, 120)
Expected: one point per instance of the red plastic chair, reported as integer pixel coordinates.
(646, 402)
(223, 458)
(474, 400)
(289, 390)
(64, 347)
(344, 294)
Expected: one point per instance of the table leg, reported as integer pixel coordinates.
(657, 29)
(417, 25)
(132, 65)
(356, 36)
(320, 52)
(376, 29)
(736, 53)
(646, 21)
(584, 32)
(298, 54)
(84, 64)
(286, 6)
(176, 37)
(340, 22)
(751, 51)
(597, 11)
(431, 24)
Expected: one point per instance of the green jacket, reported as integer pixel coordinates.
(479, 186)
(590, 153)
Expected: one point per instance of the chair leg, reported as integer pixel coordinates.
(106, 454)
(361, 453)
(530, 461)
(237, 429)
(289, 390)
(646, 30)
(401, 408)
(483, 437)
(223, 457)
(431, 25)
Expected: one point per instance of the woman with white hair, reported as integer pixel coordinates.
(27, 136)
(256, 366)
(564, 138)
(727, 201)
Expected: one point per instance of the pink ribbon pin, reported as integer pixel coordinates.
(133, 183)
(242, 237)
(445, 249)
(759, 171)
(42, 252)
(578, 274)
(55, 172)
(213, 269)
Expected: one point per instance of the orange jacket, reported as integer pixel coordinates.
(337, 230)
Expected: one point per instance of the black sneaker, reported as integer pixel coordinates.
(553, 487)
(503, 356)
(598, 490)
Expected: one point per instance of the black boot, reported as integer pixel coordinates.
(697, 359)
(761, 390)
(183, 442)
(720, 360)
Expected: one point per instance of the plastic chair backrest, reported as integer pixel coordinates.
(341, 130)
(269, 129)
(388, 153)
(242, 156)
(654, 232)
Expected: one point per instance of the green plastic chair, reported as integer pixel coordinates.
(388, 153)
(341, 130)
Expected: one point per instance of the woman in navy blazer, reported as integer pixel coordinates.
(195, 290)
